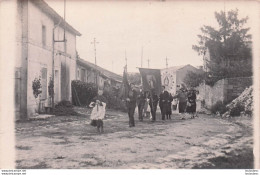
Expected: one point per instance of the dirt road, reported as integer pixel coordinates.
(70, 142)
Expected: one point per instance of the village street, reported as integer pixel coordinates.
(71, 142)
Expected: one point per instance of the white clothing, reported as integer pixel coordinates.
(98, 112)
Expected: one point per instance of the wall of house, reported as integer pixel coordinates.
(224, 90)
(212, 94)
(172, 78)
(21, 61)
(90, 77)
(182, 72)
(39, 55)
(39, 59)
(68, 58)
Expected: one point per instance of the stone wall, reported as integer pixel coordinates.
(212, 94)
(236, 86)
(224, 90)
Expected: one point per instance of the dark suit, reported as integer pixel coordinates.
(131, 107)
(168, 107)
(164, 97)
(140, 104)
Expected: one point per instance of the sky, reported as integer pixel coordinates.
(146, 29)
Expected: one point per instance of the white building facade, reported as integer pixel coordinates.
(35, 23)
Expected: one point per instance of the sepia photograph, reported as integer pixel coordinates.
(142, 84)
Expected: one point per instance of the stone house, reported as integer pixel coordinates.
(172, 77)
(37, 25)
(90, 73)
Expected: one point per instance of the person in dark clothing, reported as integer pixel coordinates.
(131, 104)
(182, 97)
(164, 97)
(168, 106)
(140, 104)
(153, 105)
(191, 103)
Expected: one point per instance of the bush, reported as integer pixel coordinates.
(64, 108)
(219, 107)
(36, 86)
(82, 92)
(113, 100)
(194, 79)
(64, 103)
(237, 110)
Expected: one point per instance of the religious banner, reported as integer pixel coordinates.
(168, 78)
(151, 79)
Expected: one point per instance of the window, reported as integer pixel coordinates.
(43, 35)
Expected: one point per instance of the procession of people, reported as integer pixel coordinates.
(147, 102)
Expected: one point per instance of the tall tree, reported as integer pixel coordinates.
(229, 46)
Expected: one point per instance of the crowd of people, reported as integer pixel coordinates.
(147, 103)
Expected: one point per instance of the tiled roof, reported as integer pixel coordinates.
(103, 71)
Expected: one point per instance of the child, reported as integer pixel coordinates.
(98, 114)
(147, 108)
(174, 104)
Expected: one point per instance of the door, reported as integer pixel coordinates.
(56, 87)
(65, 79)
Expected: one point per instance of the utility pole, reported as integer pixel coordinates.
(148, 62)
(142, 57)
(166, 59)
(94, 43)
(53, 50)
(125, 61)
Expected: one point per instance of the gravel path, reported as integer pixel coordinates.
(70, 142)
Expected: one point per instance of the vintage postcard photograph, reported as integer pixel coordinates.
(143, 84)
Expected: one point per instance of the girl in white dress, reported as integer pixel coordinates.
(98, 114)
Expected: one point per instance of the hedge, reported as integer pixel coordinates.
(82, 92)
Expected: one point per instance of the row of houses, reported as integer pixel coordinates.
(91, 73)
(45, 50)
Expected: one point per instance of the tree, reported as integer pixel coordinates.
(193, 79)
(229, 46)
